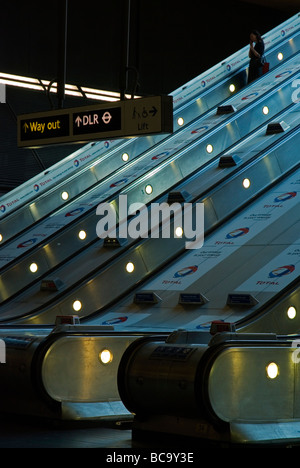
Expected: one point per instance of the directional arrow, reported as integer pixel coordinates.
(78, 121)
(153, 111)
(25, 126)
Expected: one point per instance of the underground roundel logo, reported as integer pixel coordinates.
(76, 163)
(237, 233)
(282, 271)
(36, 188)
(2, 209)
(186, 271)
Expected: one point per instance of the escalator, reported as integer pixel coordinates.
(48, 246)
(183, 323)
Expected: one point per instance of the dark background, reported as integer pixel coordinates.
(171, 42)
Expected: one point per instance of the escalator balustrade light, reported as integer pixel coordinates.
(265, 110)
(64, 195)
(77, 305)
(280, 56)
(1, 238)
(179, 232)
(125, 157)
(82, 235)
(33, 268)
(105, 356)
(148, 189)
(232, 88)
(272, 370)
(209, 148)
(180, 121)
(130, 267)
(291, 312)
(246, 183)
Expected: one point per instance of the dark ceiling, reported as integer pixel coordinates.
(170, 43)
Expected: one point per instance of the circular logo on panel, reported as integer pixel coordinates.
(186, 271)
(120, 182)
(237, 233)
(28, 243)
(115, 321)
(282, 271)
(285, 196)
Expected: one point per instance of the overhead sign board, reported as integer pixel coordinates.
(123, 119)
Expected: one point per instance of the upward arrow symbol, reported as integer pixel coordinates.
(78, 121)
(25, 126)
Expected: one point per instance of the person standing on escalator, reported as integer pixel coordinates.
(256, 55)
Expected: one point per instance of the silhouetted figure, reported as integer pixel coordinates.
(256, 55)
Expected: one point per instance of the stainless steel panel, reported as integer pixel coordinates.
(72, 370)
(240, 390)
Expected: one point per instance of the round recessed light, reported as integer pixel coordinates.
(246, 183)
(125, 157)
(291, 312)
(105, 356)
(148, 189)
(82, 235)
(272, 370)
(77, 305)
(130, 267)
(265, 110)
(33, 268)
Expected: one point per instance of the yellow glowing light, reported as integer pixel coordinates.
(246, 183)
(272, 370)
(265, 110)
(232, 88)
(65, 195)
(130, 267)
(179, 231)
(125, 157)
(106, 356)
(209, 148)
(180, 121)
(149, 189)
(33, 268)
(82, 235)
(291, 312)
(77, 305)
